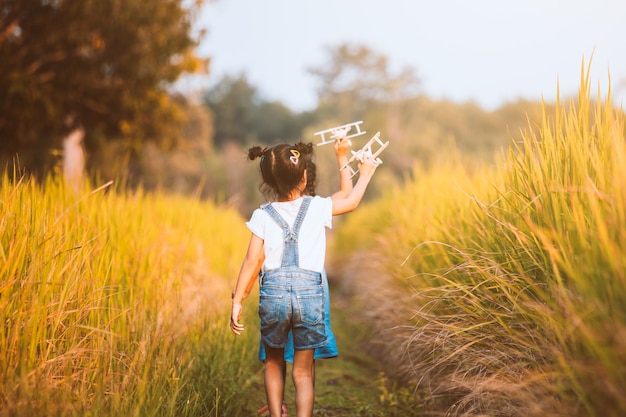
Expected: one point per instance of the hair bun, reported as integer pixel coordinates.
(304, 148)
(256, 152)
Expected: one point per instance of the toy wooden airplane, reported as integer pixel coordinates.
(340, 132)
(366, 151)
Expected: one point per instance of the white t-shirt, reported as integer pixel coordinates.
(312, 236)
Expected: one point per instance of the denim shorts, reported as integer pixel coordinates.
(329, 350)
(292, 298)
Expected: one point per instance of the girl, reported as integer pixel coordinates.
(288, 243)
(329, 350)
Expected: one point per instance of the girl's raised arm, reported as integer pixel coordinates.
(345, 179)
(352, 200)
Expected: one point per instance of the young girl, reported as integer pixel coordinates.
(288, 243)
(330, 349)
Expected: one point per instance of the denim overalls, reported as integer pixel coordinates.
(291, 298)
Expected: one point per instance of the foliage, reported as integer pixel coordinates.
(501, 291)
(243, 117)
(356, 76)
(104, 66)
(208, 160)
(421, 130)
(231, 101)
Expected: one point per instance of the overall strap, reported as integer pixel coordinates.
(306, 202)
(290, 236)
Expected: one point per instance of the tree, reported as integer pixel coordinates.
(104, 66)
(273, 122)
(356, 77)
(242, 116)
(231, 101)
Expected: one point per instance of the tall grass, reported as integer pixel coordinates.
(503, 292)
(116, 303)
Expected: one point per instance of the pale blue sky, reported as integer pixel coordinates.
(487, 51)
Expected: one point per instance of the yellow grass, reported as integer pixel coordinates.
(503, 292)
(108, 300)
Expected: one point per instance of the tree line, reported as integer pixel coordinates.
(108, 68)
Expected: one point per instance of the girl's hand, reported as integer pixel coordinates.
(235, 316)
(367, 166)
(341, 146)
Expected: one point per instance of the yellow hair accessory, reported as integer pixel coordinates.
(295, 156)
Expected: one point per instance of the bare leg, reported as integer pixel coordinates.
(303, 381)
(274, 379)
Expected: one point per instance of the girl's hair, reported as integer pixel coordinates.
(311, 173)
(282, 168)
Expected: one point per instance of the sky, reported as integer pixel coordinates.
(485, 51)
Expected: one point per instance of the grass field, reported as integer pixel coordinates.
(115, 303)
(498, 292)
(502, 291)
